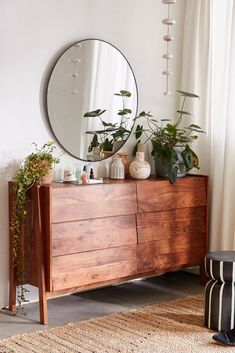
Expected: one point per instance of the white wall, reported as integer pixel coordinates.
(33, 33)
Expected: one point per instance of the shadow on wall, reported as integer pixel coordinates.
(6, 174)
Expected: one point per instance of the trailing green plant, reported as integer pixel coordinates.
(110, 132)
(166, 135)
(32, 170)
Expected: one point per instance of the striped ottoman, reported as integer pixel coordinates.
(220, 290)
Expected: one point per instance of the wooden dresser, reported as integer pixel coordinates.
(80, 237)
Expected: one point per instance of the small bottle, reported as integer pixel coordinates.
(78, 173)
(91, 174)
(84, 175)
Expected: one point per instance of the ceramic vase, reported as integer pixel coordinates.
(139, 168)
(143, 147)
(162, 169)
(117, 170)
(124, 158)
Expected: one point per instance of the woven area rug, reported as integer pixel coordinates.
(174, 326)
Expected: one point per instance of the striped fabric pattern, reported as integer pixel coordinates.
(220, 266)
(219, 291)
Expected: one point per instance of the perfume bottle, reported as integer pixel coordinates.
(91, 174)
(84, 175)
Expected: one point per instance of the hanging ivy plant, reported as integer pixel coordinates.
(34, 167)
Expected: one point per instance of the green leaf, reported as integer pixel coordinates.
(187, 94)
(187, 158)
(194, 126)
(107, 124)
(124, 111)
(99, 132)
(123, 93)
(90, 132)
(138, 131)
(107, 145)
(135, 148)
(183, 112)
(94, 113)
(94, 143)
(172, 173)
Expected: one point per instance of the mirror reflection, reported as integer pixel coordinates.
(92, 100)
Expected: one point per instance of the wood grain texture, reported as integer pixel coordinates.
(46, 225)
(93, 266)
(104, 273)
(70, 263)
(167, 253)
(98, 201)
(185, 222)
(93, 234)
(158, 196)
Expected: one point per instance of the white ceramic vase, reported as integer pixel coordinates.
(117, 170)
(139, 168)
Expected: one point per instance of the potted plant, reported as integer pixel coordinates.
(171, 142)
(111, 132)
(34, 169)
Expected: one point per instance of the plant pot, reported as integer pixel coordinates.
(117, 145)
(47, 179)
(161, 169)
(180, 163)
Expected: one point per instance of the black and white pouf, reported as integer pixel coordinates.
(220, 290)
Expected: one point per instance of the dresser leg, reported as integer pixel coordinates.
(40, 260)
(43, 310)
(203, 278)
(12, 295)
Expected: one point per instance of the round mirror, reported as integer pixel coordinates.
(92, 100)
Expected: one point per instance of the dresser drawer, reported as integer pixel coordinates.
(184, 222)
(160, 195)
(93, 234)
(166, 254)
(97, 201)
(92, 267)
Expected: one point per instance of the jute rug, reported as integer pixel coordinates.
(175, 326)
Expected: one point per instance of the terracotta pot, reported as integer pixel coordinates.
(47, 179)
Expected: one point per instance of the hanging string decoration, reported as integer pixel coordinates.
(168, 38)
(75, 71)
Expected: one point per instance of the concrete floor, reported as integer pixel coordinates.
(102, 302)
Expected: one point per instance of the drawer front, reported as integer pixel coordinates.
(184, 222)
(96, 201)
(94, 234)
(170, 254)
(161, 195)
(92, 267)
